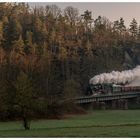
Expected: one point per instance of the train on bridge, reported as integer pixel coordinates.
(104, 89)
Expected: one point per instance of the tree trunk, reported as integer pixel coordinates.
(26, 123)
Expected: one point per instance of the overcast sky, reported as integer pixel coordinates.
(113, 11)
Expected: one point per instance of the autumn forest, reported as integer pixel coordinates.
(48, 55)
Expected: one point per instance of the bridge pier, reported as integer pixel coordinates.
(96, 105)
(125, 104)
(99, 105)
(134, 103)
(103, 105)
(121, 104)
(113, 104)
(138, 100)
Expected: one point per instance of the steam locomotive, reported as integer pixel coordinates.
(102, 89)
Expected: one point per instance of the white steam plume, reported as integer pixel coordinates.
(117, 77)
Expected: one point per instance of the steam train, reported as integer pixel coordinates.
(102, 89)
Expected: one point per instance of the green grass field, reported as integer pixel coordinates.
(109, 123)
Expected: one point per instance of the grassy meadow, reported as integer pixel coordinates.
(109, 123)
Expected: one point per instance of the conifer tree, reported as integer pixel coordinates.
(133, 28)
(116, 25)
(122, 27)
(138, 35)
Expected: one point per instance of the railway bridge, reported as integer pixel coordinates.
(116, 100)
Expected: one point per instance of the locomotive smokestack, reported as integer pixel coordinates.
(117, 77)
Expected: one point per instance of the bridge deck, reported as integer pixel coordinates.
(115, 96)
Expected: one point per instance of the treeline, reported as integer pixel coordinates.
(48, 55)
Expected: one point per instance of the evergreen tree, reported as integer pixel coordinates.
(122, 27)
(87, 16)
(116, 25)
(133, 28)
(138, 35)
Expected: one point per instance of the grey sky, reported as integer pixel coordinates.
(113, 11)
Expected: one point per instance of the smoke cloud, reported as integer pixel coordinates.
(117, 77)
